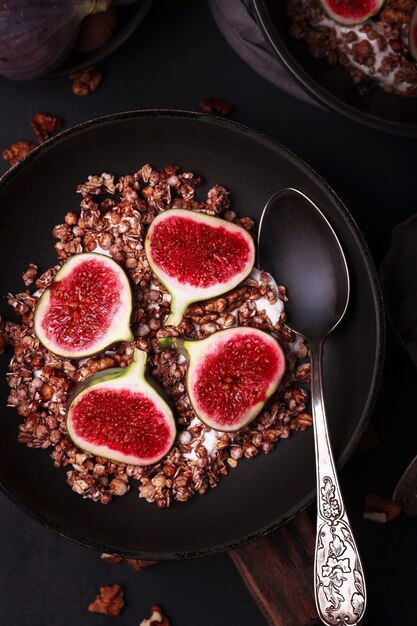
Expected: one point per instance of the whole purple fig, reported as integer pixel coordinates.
(37, 35)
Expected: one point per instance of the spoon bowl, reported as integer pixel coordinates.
(316, 274)
(310, 262)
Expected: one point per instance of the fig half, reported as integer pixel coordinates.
(350, 12)
(118, 414)
(197, 257)
(231, 374)
(86, 308)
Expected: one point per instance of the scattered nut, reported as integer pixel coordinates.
(17, 151)
(111, 558)
(217, 107)
(139, 564)
(378, 509)
(110, 601)
(44, 125)
(157, 618)
(136, 564)
(86, 82)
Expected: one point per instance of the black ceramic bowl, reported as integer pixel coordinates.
(128, 19)
(332, 85)
(263, 492)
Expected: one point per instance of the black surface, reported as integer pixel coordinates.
(174, 59)
(253, 167)
(331, 85)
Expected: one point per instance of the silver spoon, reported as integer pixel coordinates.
(297, 245)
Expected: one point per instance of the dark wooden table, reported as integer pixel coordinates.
(177, 57)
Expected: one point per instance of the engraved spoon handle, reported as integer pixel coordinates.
(339, 581)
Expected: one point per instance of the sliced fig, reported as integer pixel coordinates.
(86, 308)
(413, 35)
(119, 415)
(197, 257)
(231, 374)
(350, 12)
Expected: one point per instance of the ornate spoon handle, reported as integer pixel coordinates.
(340, 590)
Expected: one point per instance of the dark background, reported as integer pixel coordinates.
(176, 57)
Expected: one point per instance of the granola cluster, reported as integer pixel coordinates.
(113, 220)
(374, 53)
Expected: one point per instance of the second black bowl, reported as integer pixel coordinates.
(332, 85)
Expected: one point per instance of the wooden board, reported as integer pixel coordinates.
(278, 571)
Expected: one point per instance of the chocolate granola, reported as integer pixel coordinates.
(113, 220)
(374, 53)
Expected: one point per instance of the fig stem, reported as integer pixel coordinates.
(167, 342)
(171, 342)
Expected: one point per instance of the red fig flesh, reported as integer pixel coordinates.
(197, 256)
(86, 308)
(117, 414)
(350, 12)
(231, 375)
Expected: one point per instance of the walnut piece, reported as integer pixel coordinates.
(111, 558)
(44, 125)
(139, 564)
(378, 509)
(86, 82)
(157, 618)
(17, 151)
(109, 602)
(217, 107)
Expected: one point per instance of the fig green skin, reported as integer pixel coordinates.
(182, 298)
(194, 350)
(351, 21)
(135, 378)
(42, 303)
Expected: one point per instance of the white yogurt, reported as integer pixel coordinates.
(272, 309)
(208, 440)
(99, 250)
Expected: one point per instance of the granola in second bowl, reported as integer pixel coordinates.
(113, 220)
(375, 52)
